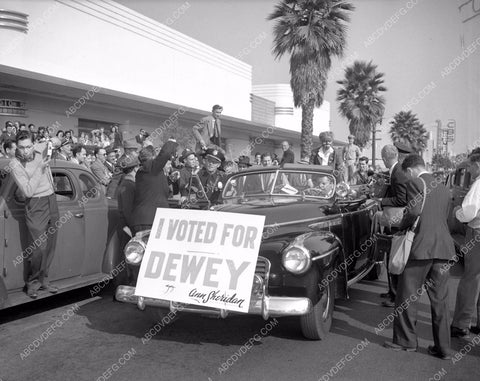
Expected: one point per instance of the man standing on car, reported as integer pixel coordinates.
(432, 248)
(468, 292)
(31, 172)
(208, 132)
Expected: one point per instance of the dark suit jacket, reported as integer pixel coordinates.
(288, 157)
(210, 184)
(151, 186)
(397, 191)
(101, 172)
(204, 131)
(432, 239)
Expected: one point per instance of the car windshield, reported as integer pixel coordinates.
(278, 182)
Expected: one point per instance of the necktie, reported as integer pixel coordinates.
(215, 129)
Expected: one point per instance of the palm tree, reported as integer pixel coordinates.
(406, 128)
(312, 31)
(361, 102)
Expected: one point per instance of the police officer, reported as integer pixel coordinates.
(211, 178)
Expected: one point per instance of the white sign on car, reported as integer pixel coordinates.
(201, 257)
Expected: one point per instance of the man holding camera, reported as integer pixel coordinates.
(31, 172)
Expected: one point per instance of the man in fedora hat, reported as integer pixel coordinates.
(65, 150)
(189, 181)
(125, 194)
(130, 148)
(243, 163)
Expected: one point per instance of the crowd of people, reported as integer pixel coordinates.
(143, 178)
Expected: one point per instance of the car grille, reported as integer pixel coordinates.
(263, 268)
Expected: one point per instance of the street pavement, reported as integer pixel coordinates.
(76, 337)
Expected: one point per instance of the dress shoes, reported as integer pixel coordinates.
(49, 288)
(388, 303)
(397, 348)
(459, 332)
(475, 330)
(386, 295)
(32, 292)
(432, 350)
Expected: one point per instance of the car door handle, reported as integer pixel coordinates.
(78, 215)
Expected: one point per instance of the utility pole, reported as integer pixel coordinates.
(374, 142)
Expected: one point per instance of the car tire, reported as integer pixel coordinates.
(316, 324)
(156, 314)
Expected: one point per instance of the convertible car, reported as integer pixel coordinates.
(318, 240)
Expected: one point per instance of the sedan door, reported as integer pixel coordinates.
(70, 228)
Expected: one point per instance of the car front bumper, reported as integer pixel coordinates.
(264, 305)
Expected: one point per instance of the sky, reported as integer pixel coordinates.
(415, 40)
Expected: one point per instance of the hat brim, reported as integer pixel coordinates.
(182, 158)
(240, 163)
(213, 157)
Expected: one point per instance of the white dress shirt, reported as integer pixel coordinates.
(471, 206)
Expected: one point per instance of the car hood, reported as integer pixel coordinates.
(278, 214)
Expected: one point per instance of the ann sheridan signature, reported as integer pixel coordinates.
(215, 296)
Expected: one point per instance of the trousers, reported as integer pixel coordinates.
(468, 292)
(41, 217)
(416, 274)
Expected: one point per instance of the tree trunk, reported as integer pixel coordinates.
(307, 129)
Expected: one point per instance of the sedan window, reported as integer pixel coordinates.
(63, 186)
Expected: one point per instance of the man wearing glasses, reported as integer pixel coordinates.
(98, 168)
(31, 172)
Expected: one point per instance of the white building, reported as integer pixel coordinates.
(80, 65)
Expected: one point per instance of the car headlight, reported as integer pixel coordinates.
(343, 189)
(134, 251)
(296, 259)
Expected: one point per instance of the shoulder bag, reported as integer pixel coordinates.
(402, 242)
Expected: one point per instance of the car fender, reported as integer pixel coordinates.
(113, 255)
(328, 256)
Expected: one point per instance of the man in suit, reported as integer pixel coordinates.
(432, 248)
(393, 204)
(65, 151)
(468, 292)
(99, 169)
(151, 187)
(288, 154)
(208, 131)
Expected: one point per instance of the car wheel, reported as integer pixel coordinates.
(157, 315)
(316, 324)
